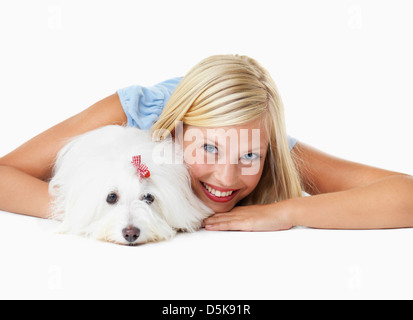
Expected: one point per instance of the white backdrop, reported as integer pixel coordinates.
(343, 68)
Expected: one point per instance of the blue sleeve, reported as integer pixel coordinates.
(291, 142)
(144, 105)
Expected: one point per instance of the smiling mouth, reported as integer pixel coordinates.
(219, 195)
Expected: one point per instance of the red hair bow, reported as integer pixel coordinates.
(142, 169)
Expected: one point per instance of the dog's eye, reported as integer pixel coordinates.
(148, 198)
(112, 198)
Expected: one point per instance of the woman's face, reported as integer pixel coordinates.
(225, 163)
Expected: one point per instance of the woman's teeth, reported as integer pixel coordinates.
(217, 193)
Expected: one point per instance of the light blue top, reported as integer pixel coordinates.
(144, 105)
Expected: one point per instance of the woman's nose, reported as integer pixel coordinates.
(227, 174)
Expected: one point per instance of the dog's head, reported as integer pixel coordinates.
(101, 191)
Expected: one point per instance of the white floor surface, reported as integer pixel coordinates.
(300, 263)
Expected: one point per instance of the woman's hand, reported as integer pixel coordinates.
(270, 217)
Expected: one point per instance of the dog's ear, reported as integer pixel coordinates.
(62, 179)
(80, 211)
(193, 210)
(179, 205)
(74, 188)
(170, 177)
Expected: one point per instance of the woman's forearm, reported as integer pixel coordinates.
(387, 203)
(22, 193)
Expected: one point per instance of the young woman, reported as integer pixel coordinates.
(219, 95)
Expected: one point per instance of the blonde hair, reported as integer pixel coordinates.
(227, 90)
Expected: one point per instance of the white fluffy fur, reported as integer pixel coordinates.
(97, 163)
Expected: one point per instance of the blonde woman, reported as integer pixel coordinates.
(253, 183)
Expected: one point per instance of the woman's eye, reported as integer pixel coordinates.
(210, 148)
(148, 198)
(112, 198)
(250, 156)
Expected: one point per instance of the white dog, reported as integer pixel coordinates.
(114, 184)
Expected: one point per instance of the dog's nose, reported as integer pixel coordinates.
(131, 233)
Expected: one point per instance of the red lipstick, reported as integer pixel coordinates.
(216, 198)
